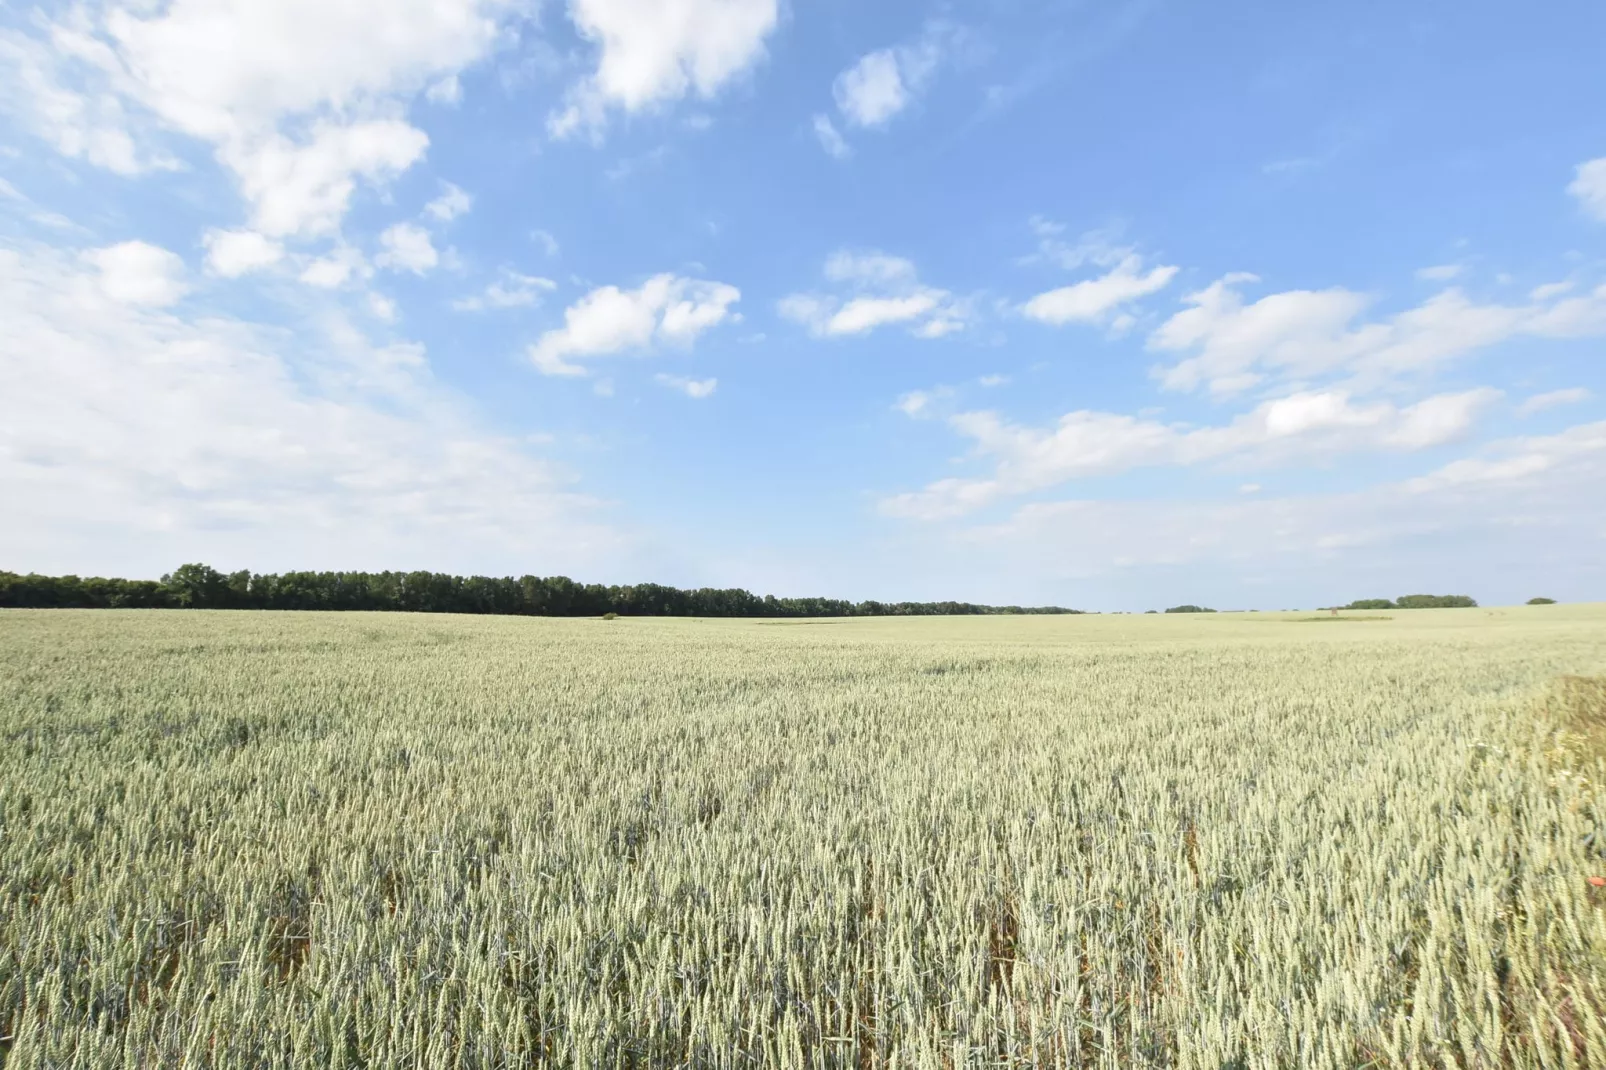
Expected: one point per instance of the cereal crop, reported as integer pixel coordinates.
(1194, 841)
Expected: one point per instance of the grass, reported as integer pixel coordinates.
(309, 840)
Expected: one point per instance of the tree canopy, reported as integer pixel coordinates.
(1416, 601)
(197, 586)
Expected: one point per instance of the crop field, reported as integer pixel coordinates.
(1207, 841)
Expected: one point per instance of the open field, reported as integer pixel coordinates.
(310, 840)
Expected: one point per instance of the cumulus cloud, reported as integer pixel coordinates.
(1553, 398)
(275, 447)
(1232, 345)
(1589, 187)
(872, 90)
(232, 253)
(335, 269)
(666, 308)
(303, 189)
(407, 247)
(512, 290)
(652, 52)
(452, 202)
(919, 403)
(874, 290)
(299, 119)
(885, 82)
(692, 388)
(1086, 444)
(138, 273)
(1099, 300)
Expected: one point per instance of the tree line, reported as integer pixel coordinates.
(203, 587)
(1416, 601)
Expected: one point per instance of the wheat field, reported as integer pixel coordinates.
(1225, 841)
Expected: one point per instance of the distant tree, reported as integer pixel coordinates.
(1189, 609)
(1370, 603)
(1541, 601)
(1435, 601)
(197, 587)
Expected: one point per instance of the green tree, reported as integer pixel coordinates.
(1435, 601)
(197, 587)
(1541, 601)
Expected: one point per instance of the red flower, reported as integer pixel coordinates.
(1598, 882)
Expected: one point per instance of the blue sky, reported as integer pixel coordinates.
(1110, 305)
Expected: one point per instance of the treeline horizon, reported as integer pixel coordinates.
(1415, 601)
(198, 586)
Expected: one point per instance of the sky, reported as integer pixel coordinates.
(1111, 305)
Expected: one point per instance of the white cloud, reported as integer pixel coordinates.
(1551, 399)
(1299, 334)
(692, 388)
(1100, 247)
(452, 203)
(32, 211)
(382, 307)
(513, 290)
(305, 189)
(871, 91)
(867, 313)
(549, 244)
(881, 290)
(1518, 459)
(447, 91)
(652, 52)
(666, 308)
(299, 118)
(1570, 317)
(885, 82)
(138, 273)
(913, 403)
(868, 268)
(1087, 444)
(136, 438)
(232, 253)
(830, 140)
(1589, 187)
(407, 247)
(1097, 300)
(1440, 532)
(1439, 272)
(91, 124)
(336, 269)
